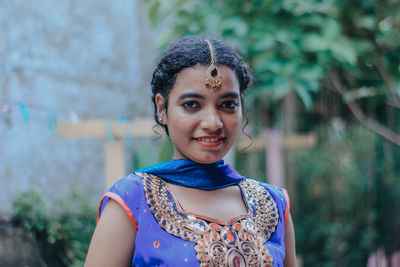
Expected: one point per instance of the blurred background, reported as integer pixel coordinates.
(324, 115)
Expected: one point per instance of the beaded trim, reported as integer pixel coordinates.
(238, 244)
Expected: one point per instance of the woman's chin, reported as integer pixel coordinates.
(207, 159)
(202, 157)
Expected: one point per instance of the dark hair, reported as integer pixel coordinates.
(188, 52)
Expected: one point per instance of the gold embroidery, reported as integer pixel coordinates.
(238, 244)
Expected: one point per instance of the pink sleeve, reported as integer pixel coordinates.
(121, 202)
(287, 209)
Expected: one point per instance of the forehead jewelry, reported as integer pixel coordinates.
(213, 76)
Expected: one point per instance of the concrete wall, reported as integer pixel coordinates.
(86, 59)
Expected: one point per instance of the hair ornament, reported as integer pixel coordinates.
(213, 75)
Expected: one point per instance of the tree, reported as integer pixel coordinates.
(348, 51)
(351, 47)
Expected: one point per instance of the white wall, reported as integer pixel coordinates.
(89, 58)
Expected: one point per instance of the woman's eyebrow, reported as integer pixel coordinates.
(190, 95)
(230, 95)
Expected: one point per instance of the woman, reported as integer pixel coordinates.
(195, 210)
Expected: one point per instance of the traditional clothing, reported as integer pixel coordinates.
(167, 235)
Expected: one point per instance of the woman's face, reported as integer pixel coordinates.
(202, 122)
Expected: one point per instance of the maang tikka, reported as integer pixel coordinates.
(213, 75)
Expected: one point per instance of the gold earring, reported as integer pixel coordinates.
(213, 75)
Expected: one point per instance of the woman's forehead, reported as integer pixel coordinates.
(194, 79)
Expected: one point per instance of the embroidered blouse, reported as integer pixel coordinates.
(169, 236)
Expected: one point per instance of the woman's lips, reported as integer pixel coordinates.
(209, 141)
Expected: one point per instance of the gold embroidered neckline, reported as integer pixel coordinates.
(237, 244)
(248, 213)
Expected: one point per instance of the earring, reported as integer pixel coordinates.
(159, 118)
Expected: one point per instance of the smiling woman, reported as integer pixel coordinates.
(202, 122)
(195, 210)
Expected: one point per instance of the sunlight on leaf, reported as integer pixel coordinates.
(304, 95)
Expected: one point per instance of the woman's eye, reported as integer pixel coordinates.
(231, 105)
(191, 105)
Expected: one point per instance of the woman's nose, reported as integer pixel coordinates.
(211, 120)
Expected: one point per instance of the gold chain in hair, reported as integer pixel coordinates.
(213, 75)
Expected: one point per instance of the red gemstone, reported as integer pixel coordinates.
(214, 72)
(236, 262)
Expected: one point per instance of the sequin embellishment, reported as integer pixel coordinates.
(237, 244)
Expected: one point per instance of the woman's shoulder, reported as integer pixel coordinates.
(279, 194)
(127, 191)
(270, 187)
(131, 182)
(130, 187)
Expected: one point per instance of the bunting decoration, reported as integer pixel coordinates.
(52, 117)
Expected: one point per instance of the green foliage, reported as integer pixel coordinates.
(144, 155)
(148, 154)
(346, 205)
(289, 44)
(295, 45)
(251, 165)
(347, 195)
(63, 238)
(166, 152)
